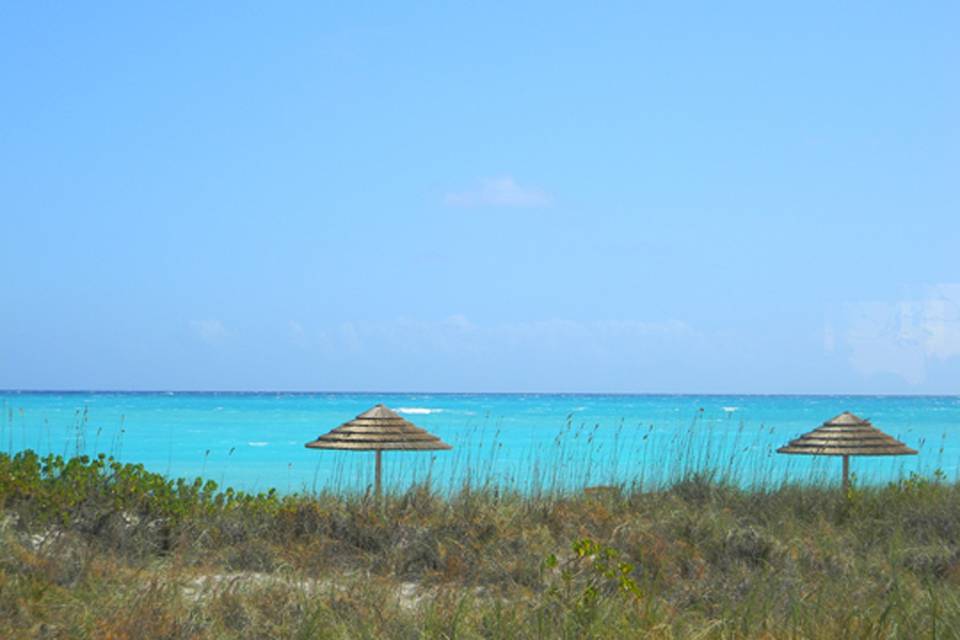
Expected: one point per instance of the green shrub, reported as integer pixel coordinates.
(91, 547)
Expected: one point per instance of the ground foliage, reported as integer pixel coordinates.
(92, 548)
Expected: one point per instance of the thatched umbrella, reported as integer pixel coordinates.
(379, 429)
(847, 435)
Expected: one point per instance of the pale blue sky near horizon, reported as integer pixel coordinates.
(692, 197)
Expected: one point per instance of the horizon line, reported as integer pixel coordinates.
(471, 393)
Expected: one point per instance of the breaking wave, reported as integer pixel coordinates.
(420, 411)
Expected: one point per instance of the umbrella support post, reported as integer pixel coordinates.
(846, 474)
(379, 471)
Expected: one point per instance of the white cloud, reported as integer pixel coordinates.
(942, 318)
(211, 330)
(499, 192)
(904, 336)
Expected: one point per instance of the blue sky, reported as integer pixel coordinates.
(475, 197)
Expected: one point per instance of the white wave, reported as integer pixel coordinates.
(258, 444)
(421, 411)
(730, 409)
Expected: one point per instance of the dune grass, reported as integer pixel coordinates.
(92, 548)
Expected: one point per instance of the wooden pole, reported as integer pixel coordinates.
(377, 489)
(846, 474)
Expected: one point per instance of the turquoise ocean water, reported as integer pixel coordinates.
(254, 441)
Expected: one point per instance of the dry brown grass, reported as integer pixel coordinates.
(701, 560)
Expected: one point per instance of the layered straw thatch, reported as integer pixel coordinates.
(379, 429)
(847, 435)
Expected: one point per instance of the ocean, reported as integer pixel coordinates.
(526, 442)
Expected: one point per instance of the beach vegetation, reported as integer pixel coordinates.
(94, 548)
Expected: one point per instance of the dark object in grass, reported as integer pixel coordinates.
(847, 435)
(379, 429)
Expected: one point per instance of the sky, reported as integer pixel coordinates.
(517, 197)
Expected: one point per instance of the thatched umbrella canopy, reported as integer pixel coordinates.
(847, 435)
(379, 429)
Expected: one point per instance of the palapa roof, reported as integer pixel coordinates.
(847, 435)
(379, 428)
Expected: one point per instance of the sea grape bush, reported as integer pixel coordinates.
(54, 489)
(593, 568)
(591, 575)
(93, 547)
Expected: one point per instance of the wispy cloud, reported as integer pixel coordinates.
(902, 337)
(457, 334)
(210, 330)
(499, 192)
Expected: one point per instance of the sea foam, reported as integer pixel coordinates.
(423, 411)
